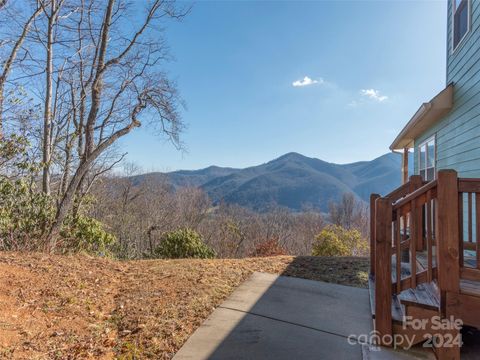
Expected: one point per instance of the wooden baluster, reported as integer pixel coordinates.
(477, 227)
(373, 198)
(428, 220)
(434, 217)
(460, 229)
(404, 225)
(470, 222)
(416, 182)
(383, 266)
(398, 242)
(447, 225)
(413, 244)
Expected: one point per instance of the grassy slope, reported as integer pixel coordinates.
(58, 307)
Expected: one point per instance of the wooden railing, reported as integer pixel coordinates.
(414, 183)
(412, 230)
(469, 227)
(417, 218)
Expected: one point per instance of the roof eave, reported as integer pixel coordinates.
(425, 117)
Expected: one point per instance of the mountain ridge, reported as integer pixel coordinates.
(292, 180)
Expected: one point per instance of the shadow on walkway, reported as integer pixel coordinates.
(282, 317)
(279, 317)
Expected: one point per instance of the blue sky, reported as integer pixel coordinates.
(365, 67)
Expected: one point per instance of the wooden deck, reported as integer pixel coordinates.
(468, 256)
(469, 287)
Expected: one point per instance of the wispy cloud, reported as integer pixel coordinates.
(373, 94)
(306, 81)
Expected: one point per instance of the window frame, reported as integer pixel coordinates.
(469, 24)
(419, 147)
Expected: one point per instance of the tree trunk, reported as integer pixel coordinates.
(67, 200)
(47, 116)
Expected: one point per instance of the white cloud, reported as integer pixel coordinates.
(373, 94)
(306, 81)
(353, 103)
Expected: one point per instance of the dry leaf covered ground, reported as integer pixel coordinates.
(78, 307)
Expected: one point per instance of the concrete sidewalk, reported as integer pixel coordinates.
(276, 317)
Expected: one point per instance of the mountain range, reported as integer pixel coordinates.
(292, 180)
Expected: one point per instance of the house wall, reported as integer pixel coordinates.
(458, 134)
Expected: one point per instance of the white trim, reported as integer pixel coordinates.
(430, 138)
(419, 146)
(424, 119)
(469, 25)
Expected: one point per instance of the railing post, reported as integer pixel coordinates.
(446, 225)
(416, 182)
(405, 165)
(373, 198)
(383, 266)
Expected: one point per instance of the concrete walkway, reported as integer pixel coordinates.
(276, 317)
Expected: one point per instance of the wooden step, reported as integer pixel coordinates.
(404, 268)
(398, 310)
(425, 295)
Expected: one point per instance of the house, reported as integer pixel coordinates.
(444, 132)
(425, 258)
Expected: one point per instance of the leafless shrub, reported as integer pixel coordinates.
(350, 213)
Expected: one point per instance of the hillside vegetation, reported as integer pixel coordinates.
(78, 307)
(293, 181)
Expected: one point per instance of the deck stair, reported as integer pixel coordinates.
(397, 308)
(425, 258)
(424, 295)
(421, 303)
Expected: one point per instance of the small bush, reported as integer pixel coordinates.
(268, 248)
(25, 214)
(85, 234)
(337, 241)
(183, 243)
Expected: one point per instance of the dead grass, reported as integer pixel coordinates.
(72, 307)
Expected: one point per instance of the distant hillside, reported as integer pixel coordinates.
(292, 180)
(187, 177)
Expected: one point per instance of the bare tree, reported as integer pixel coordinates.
(308, 224)
(51, 10)
(9, 62)
(118, 83)
(342, 213)
(350, 213)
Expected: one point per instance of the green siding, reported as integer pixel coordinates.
(458, 133)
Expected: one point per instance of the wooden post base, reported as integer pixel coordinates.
(450, 350)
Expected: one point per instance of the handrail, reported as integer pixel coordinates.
(417, 193)
(468, 185)
(402, 191)
(399, 192)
